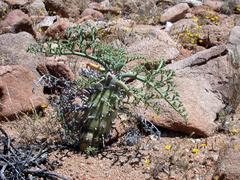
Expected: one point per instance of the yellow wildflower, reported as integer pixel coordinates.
(44, 106)
(168, 147)
(147, 162)
(195, 150)
(203, 145)
(234, 132)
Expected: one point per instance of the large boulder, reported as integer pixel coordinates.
(16, 84)
(13, 48)
(204, 82)
(16, 21)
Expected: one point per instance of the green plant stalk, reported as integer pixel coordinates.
(98, 118)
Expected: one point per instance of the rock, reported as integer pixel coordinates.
(37, 8)
(58, 70)
(3, 9)
(233, 47)
(203, 77)
(191, 2)
(13, 48)
(104, 7)
(175, 13)
(59, 28)
(16, 3)
(215, 35)
(234, 38)
(137, 6)
(152, 43)
(66, 8)
(16, 83)
(94, 13)
(181, 25)
(154, 49)
(214, 4)
(228, 166)
(194, 93)
(46, 22)
(16, 21)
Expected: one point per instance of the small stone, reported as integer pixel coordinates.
(175, 13)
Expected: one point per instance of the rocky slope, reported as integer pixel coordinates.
(200, 40)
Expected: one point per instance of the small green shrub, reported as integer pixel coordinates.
(103, 88)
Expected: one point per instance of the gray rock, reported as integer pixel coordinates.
(228, 166)
(37, 8)
(47, 22)
(13, 48)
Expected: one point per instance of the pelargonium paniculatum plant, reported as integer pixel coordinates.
(103, 87)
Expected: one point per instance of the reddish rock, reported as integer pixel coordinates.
(16, 83)
(152, 43)
(175, 13)
(66, 8)
(94, 13)
(58, 70)
(59, 28)
(204, 83)
(16, 21)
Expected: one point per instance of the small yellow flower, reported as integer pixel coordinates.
(203, 145)
(200, 41)
(234, 132)
(195, 150)
(168, 147)
(95, 67)
(193, 42)
(147, 162)
(44, 106)
(212, 19)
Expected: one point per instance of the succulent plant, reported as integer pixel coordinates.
(103, 86)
